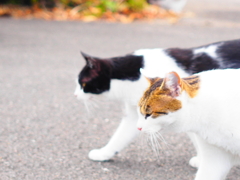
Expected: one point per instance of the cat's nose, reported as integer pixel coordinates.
(139, 129)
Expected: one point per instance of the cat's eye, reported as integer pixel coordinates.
(163, 113)
(147, 115)
(83, 84)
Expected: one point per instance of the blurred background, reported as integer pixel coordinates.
(45, 132)
(119, 10)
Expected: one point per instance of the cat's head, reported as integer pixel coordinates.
(162, 101)
(94, 78)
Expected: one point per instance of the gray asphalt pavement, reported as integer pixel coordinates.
(46, 134)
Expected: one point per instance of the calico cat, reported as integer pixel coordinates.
(206, 104)
(120, 78)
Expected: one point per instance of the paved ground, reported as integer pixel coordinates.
(45, 132)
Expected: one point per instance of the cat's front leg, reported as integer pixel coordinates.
(215, 162)
(195, 161)
(125, 133)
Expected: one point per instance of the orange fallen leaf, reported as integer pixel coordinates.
(88, 14)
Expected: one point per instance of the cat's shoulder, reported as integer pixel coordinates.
(221, 78)
(218, 73)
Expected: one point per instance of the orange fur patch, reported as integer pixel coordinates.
(191, 85)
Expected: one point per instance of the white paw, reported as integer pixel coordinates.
(100, 155)
(194, 162)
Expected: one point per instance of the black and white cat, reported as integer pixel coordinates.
(120, 78)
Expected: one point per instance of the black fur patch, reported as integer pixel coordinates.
(181, 56)
(127, 67)
(202, 62)
(192, 63)
(229, 52)
(95, 77)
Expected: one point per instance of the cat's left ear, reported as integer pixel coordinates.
(91, 61)
(145, 74)
(173, 83)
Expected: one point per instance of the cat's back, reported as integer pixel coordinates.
(158, 62)
(220, 85)
(222, 80)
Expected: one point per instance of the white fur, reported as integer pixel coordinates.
(214, 116)
(210, 50)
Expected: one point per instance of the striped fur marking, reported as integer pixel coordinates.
(191, 85)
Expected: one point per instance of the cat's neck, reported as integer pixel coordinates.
(126, 68)
(126, 82)
(127, 91)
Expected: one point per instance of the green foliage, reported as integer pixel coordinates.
(106, 5)
(70, 3)
(102, 5)
(136, 5)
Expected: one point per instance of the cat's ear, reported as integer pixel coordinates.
(91, 61)
(172, 82)
(151, 80)
(145, 74)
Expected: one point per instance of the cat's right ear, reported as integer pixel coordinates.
(91, 61)
(173, 83)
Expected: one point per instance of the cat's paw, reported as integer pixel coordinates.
(100, 155)
(194, 162)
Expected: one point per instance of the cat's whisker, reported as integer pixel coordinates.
(154, 144)
(157, 144)
(86, 104)
(143, 141)
(95, 104)
(148, 140)
(95, 100)
(143, 138)
(161, 138)
(151, 142)
(90, 105)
